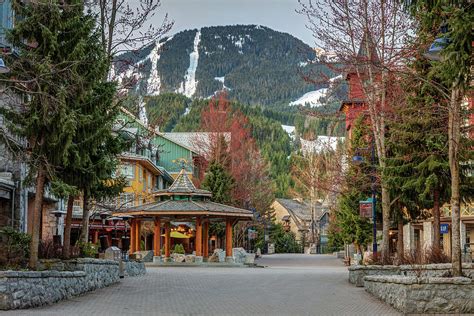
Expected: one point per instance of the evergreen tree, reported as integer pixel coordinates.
(418, 169)
(50, 38)
(219, 182)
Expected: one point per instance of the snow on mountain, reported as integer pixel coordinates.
(188, 87)
(154, 82)
(290, 130)
(321, 143)
(312, 98)
(222, 80)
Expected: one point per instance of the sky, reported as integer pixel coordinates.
(279, 15)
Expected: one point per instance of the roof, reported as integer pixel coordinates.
(183, 186)
(187, 207)
(192, 140)
(302, 209)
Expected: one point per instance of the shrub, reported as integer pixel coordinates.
(49, 250)
(178, 248)
(14, 249)
(88, 249)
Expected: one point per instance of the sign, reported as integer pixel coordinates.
(444, 228)
(365, 208)
(252, 233)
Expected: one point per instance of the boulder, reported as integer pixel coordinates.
(220, 254)
(213, 258)
(250, 258)
(239, 255)
(179, 257)
(190, 258)
(259, 253)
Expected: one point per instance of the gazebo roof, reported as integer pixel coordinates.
(183, 186)
(177, 208)
(185, 200)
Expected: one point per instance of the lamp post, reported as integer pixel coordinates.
(359, 159)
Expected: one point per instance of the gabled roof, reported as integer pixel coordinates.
(193, 140)
(302, 209)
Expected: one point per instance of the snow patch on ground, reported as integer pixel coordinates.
(188, 87)
(290, 130)
(142, 111)
(220, 79)
(303, 63)
(186, 112)
(313, 98)
(321, 143)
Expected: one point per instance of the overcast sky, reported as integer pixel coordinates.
(276, 14)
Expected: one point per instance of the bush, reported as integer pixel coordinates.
(49, 250)
(14, 249)
(178, 248)
(285, 242)
(88, 249)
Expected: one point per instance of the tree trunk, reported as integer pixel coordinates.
(37, 211)
(67, 228)
(85, 219)
(400, 249)
(436, 220)
(386, 222)
(453, 139)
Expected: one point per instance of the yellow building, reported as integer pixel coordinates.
(143, 177)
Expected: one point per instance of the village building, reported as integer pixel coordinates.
(297, 216)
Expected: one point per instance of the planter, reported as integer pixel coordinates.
(423, 295)
(358, 272)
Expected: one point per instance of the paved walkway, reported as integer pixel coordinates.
(290, 285)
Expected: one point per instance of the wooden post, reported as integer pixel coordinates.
(205, 240)
(157, 237)
(228, 238)
(167, 240)
(95, 239)
(137, 235)
(132, 236)
(198, 238)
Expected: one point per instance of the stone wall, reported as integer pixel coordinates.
(35, 288)
(134, 268)
(358, 272)
(423, 295)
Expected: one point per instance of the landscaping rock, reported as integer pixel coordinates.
(190, 258)
(250, 258)
(239, 255)
(179, 257)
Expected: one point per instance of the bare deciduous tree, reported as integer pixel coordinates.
(368, 38)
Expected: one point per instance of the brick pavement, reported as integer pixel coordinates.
(290, 285)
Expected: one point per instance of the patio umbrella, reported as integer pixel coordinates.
(177, 235)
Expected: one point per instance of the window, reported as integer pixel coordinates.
(126, 199)
(150, 180)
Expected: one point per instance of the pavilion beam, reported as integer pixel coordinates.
(167, 241)
(228, 241)
(205, 240)
(198, 239)
(157, 240)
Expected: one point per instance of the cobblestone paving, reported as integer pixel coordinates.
(289, 285)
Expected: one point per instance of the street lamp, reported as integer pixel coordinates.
(359, 159)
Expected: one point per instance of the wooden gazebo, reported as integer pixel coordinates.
(183, 202)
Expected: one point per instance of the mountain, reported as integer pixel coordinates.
(255, 64)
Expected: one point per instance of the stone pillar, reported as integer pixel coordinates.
(167, 241)
(228, 241)
(137, 235)
(132, 236)
(409, 237)
(205, 240)
(157, 240)
(427, 235)
(198, 240)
